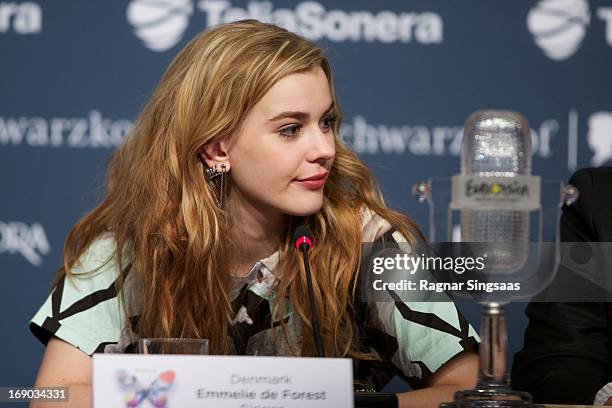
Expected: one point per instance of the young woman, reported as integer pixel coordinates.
(236, 147)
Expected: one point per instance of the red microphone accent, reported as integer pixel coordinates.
(303, 240)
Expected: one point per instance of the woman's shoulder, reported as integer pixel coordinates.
(98, 262)
(374, 226)
(83, 309)
(98, 256)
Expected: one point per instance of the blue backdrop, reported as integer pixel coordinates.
(74, 74)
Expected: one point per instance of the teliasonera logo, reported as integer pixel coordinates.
(599, 137)
(30, 241)
(21, 18)
(160, 24)
(559, 26)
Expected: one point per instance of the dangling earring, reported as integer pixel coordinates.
(218, 178)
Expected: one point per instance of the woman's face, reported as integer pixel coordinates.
(281, 155)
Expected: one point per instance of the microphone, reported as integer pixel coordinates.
(497, 144)
(302, 240)
(495, 161)
(498, 200)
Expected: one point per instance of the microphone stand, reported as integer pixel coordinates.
(303, 241)
(316, 331)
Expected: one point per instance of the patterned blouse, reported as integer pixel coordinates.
(412, 339)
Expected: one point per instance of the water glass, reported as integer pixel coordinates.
(172, 346)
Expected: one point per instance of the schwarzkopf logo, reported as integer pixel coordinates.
(599, 137)
(496, 189)
(160, 24)
(93, 131)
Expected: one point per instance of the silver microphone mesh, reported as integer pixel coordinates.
(497, 143)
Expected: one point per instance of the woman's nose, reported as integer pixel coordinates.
(322, 146)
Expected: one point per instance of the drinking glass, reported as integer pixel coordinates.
(172, 346)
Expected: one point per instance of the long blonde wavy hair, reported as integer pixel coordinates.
(161, 209)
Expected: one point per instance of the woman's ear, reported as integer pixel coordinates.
(214, 154)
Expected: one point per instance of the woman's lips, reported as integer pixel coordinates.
(313, 183)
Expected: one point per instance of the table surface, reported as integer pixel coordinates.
(568, 406)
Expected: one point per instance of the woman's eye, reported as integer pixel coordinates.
(290, 131)
(328, 122)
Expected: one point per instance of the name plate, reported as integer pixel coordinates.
(479, 192)
(132, 380)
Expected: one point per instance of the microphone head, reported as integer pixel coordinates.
(301, 236)
(496, 143)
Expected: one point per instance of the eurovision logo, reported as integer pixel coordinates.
(135, 393)
(496, 189)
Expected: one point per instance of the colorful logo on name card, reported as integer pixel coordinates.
(135, 393)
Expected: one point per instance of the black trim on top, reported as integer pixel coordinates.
(90, 301)
(387, 237)
(56, 299)
(426, 319)
(463, 324)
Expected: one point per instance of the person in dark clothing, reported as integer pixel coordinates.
(567, 355)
